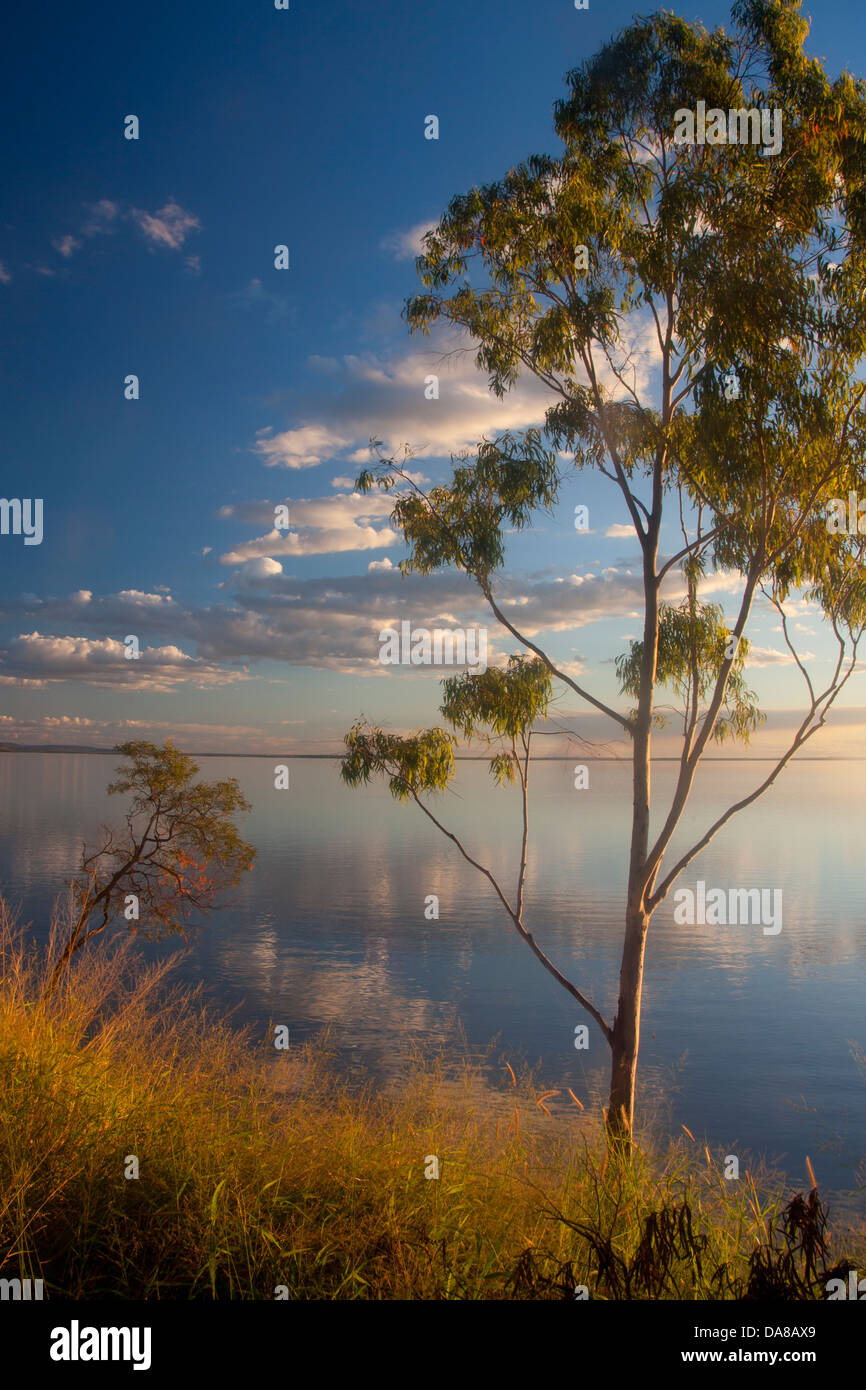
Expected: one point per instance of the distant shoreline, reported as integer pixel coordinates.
(460, 757)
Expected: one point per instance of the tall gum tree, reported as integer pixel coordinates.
(749, 268)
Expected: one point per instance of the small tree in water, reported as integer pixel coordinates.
(179, 851)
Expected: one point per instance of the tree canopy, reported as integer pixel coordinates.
(178, 853)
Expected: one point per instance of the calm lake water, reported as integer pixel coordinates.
(748, 1037)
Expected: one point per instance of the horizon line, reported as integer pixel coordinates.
(460, 758)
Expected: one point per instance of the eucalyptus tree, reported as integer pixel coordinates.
(747, 264)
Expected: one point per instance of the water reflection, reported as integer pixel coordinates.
(329, 929)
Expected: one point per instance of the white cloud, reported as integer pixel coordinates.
(261, 568)
(320, 526)
(154, 611)
(717, 582)
(169, 227)
(619, 531)
(103, 662)
(299, 448)
(766, 656)
(66, 245)
(384, 398)
(327, 622)
(406, 245)
(380, 565)
(101, 217)
(142, 599)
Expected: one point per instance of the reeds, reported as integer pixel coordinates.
(262, 1174)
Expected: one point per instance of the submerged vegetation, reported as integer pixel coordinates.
(261, 1174)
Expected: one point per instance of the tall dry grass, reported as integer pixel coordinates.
(261, 1171)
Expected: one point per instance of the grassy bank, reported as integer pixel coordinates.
(260, 1171)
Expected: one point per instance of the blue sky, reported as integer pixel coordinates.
(258, 386)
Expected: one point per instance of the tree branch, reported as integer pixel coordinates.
(527, 936)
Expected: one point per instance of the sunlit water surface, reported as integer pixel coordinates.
(747, 1036)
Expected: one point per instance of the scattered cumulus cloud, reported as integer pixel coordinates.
(329, 623)
(304, 447)
(319, 526)
(766, 656)
(66, 245)
(101, 218)
(168, 228)
(103, 662)
(383, 397)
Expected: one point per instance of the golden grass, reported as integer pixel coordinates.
(263, 1171)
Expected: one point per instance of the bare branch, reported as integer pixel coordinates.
(527, 936)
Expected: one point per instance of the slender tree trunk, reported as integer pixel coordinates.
(75, 941)
(626, 1029)
(626, 1025)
